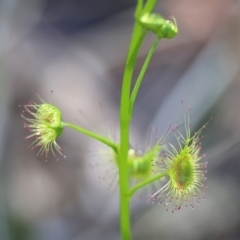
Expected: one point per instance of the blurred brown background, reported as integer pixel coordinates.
(77, 49)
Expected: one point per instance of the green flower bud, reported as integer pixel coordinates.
(158, 25)
(45, 124)
(140, 164)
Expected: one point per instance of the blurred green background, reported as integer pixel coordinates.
(77, 49)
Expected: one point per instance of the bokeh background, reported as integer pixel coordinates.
(77, 49)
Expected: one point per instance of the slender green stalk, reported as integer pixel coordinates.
(149, 180)
(135, 44)
(149, 6)
(124, 139)
(141, 75)
(137, 38)
(139, 7)
(132, 60)
(93, 135)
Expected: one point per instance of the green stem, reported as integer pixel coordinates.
(149, 180)
(141, 75)
(138, 8)
(135, 44)
(132, 59)
(124, 144)
(149, 6)
(93, 135)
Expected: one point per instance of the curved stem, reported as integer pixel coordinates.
(141, 75)
(93, 135)
(149, 180)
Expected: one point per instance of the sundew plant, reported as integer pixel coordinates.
(180, 164)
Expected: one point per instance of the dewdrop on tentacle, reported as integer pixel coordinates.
(185, 171)
(44, 122)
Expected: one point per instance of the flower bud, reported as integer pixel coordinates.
(158, 25)
(140, 164)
